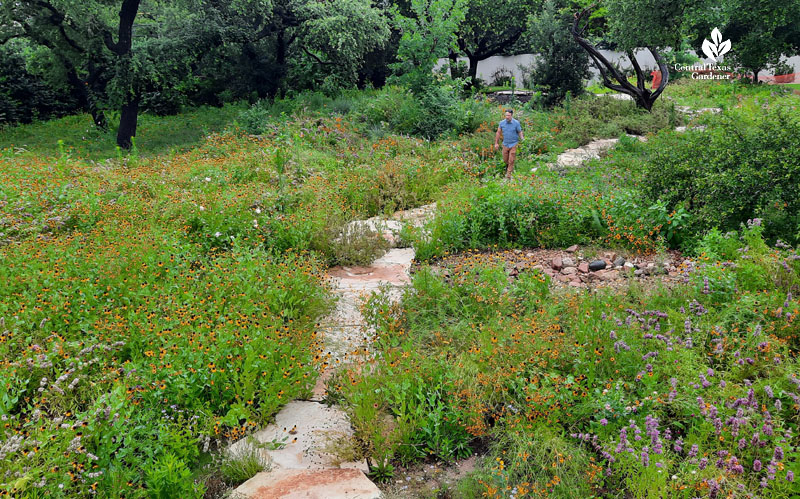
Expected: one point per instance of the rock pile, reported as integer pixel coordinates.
(577, 271)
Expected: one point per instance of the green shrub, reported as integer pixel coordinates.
(582, 120)
(436, 111)
(745, 165)
(562, 64)
(355, 244)
(509, 216)
(169, 477)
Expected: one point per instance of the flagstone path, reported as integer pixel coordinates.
(297, 445)
(304, 430)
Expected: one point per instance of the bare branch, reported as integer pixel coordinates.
(638, 70)
(662, 66)
(316, 58)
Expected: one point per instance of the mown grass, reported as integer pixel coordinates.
(155, 135)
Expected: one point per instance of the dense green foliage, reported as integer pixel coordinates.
(562, 65)
(426, 37)
(743, 166)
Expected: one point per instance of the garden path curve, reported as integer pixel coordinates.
(303, 466)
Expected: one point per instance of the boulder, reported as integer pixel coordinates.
(619, 261)
(572, 249)
(568, 262)
(557, 263)
(597, 265)
(583, 267)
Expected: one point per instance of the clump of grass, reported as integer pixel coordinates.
(244, 463)
(357, 244)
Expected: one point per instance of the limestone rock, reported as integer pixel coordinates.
(309, 484)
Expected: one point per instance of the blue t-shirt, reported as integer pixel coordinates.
(510, 132)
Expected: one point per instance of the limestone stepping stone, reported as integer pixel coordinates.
(297, 444)
(416, 216)
(310, 484)
(305, 430)
(392, 268)
(592, 150)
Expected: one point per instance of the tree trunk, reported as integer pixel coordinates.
(122, 49)
(99, 118)
(755, 74)
(453, 63)
(641, 95)
(127, 123)
(473, 69)
(280, 52)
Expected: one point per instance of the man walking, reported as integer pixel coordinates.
(511, 131)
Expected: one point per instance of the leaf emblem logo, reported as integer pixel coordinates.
(716, 48)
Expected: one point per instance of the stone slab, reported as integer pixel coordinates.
(309, 484)
(306, 429)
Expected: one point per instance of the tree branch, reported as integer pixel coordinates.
(642, 96)
(57, 19)
(316, 58)
(662, 66)
(8, 38)
(127, 14)
(638, 70)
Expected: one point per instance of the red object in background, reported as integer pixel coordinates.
(656, 78)
(790, 78)
(787, 78)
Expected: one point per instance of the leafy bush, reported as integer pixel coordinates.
(169, 477)
(25, 97)
(356, 244)
(562, 64)
(681, 56)
(521, 216)
(501, 77)
(745, 165)
(435, 112)
(582, 120)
